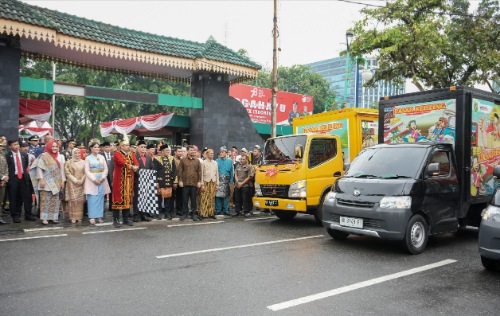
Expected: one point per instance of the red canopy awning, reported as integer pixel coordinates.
(33, 110)
(140, 124)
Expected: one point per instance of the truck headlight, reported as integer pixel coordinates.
(298, 189)
(395, 202)
(330, 197)
(258, 191)
(491, 213)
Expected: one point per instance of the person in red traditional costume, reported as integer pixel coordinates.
(125, 165)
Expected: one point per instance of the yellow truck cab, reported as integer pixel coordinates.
(297, 173)
(299, 170)
(356, 127)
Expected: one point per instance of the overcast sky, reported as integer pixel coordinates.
(309, 31)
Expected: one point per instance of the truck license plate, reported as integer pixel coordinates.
(271, 202)
(351, 222)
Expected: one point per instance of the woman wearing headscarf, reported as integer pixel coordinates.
(75, 174)
(96, 184)
(51, 178)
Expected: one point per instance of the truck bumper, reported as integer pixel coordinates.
(377, 222)
(283, 204)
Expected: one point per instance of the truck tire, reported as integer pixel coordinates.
(285, 215)
(490, 264)
(416, 236)
(318, 214)
(337, 234)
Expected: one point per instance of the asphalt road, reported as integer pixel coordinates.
(238, 267)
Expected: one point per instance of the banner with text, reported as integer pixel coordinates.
(257, 102)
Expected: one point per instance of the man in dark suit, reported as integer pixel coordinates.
(108, 155)
(145, 162)
(18, 182)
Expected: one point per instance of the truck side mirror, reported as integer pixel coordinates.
(496, 172)
(298, 151)
(433, 169)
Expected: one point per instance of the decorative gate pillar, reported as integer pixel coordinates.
(223, 121)
(10, 59)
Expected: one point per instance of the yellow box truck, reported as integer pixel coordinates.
(298, 170)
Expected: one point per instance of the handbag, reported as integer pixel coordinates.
(165, 192)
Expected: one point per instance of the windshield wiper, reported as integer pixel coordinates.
(364, 175)
(394, 176)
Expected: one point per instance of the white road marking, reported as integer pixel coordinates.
(356, 286)
(113, 230)
(103, 224)
(236, 247)
(195, 224)
(27, 230)
(259, 218)
(34, 237)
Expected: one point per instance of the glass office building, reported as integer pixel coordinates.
(334, 71)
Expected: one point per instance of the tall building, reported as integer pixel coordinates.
(496, 86)
(334, 71)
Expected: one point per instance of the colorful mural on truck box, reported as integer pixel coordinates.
(420, 122)
(257, 102)
(485, 138)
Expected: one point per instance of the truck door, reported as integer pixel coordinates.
(324, 163)
(442, 193)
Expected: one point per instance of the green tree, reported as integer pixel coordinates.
(434, 43)
(300, 79)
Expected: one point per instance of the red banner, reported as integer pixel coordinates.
(257, 102)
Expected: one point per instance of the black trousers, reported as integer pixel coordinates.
(19, 194)
(189, 193)
(165, 204)
(178, 197)
(241, 196)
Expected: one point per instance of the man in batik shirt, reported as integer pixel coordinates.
(226, 175)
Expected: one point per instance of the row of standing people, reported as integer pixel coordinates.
(86, 181)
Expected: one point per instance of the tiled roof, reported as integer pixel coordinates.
(109, 34)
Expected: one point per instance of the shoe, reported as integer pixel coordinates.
(92, 221)
(144, 218)
(73, 221)
(16, 220)
(100, 221)
(128, 222)
(2, 222)
(183, 217)
(116, 223)
(213, 217)
(247, 214)
(45, 223)
(135, 218)
(30, 219)
(195, 218)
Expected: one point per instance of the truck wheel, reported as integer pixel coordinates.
(490, 264)
(285, 215)
(416, 236)
(318, 214)
(337, 234)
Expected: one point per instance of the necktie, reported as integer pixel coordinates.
(19, 167)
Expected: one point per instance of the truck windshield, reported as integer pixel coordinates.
(282, 150)
(387, 163)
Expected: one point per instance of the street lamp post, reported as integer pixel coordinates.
(349, 63)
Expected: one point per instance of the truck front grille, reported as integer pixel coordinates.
(355, 203)
(278, 190)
